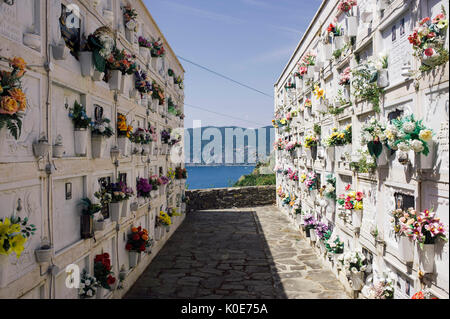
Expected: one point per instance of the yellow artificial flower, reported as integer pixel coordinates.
(318, 92)
(341, 135)
(426, 135)
(352, 194)
(17, 244)
(358, 206)
(390, 136)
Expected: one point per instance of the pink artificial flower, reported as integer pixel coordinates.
(429, 52)
(438, 18)
(348, 187)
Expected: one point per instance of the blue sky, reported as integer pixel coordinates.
(247, 40)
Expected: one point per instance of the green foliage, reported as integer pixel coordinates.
(13, 123)
(317, 129)
(256, 180)
(366, 88)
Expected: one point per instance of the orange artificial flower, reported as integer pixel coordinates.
(18, 63)
(145, 237)
(20, 97)
(134, 230)
(8, 105)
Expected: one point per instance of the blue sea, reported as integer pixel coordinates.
(201, 177)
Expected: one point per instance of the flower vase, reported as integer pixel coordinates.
(352, 26)
(133, 258)
(336, 258)
(162, 189)
(124, 143)
(383, 78)
(81, 137)
(357, 215)
(4, 266)
(167, 228)
(129, 35)
(165, 149)
(312, 235)
(145, 149)
(154, 63)
(125, 208)
(338, 42)
(426, 258)
(87, 66)
(331, 152)
(100, 292)
(99, 225)
(60, 51)
(357, 280)
(383, 158)
(144, 53)
(327, 51)
(308, 152)
(58, 151)
(115, 210)
(87, 226)
(43, 255)
(427, 161)
(98, 76)
(406, 249)
(115, 80)
(98, 143)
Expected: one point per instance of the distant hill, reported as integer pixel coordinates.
(230, 145)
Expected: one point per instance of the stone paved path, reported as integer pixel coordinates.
(241, 253)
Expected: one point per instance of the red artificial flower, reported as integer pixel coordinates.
(110, 280)
(348, 187)
(431, 35)
(106, 255)
(135, 237)
(139, 228)
(424, 20)
(418, 295)
(142, 248)
(330, 27)
(429, 52)
(359, 196)
(128, 247)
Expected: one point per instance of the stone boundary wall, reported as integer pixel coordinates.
(218, 198)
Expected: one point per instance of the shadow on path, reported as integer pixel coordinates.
(213, 254)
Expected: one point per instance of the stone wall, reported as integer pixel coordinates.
(218, 198)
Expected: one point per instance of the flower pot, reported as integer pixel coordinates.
(357, 280)
(144, 53)
(87, 66)
(357, 215)
(4, 267)
(162, 189)
(124, 142)
(115, 210)
(100, 292)
(87, 226)
(129, 35)
(137, 148)
(327, 51)
(41, 148)
(383, 158)
(99, 225)
(133, 258)
(125, 208)
(58, 151)
(339, 42)
(406, 249)
(331, 151)
(115, 80)
(352, 26)
(154, 194)
(312, 235)
(383, 78)
(164, 149)
(81, 139)
(60, 51)
(98, 143)
(44, 255)
(154, 63)
(145, 149)
(98, 76)
(167, 228)
(427, 161)
(426, 258)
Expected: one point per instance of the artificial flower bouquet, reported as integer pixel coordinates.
(353, 262)
(308, 103)
(428, 41)
(101, 43)
(138, 240)
(102, 271)
(383, 286)
(157, 49)
(79, 117)
(13, 101)
(164, 219)
(319, 92)
(309, 222)
(122, 61)
(407, 134)
(293, 175)
(321, 230)
(309, 59)
(346, 5)
(339, 138)
(14, 233)
(344, 77)
(130, 18)
(158, 93)
(329, 189)
(364, 162)
(102, 127)
(142, 83)
(88, 285)
(165, 136)
(351, 200)
(290, 85)
(154, 182)
(310, 141)
(311, 181)
(180, 173)
(373, 135)
(335, 246)
(123, 130)
(143, 187)
(279, 144)
(145, 43)
(334, 30)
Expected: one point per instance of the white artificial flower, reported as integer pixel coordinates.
(87, 282)
(89, 293)
(82, 286)
(417, 146)
(363, 268)
(409, 127)
(403, 146)
(354, 270)
(101, 128)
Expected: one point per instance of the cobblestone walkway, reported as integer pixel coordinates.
(240, 253)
